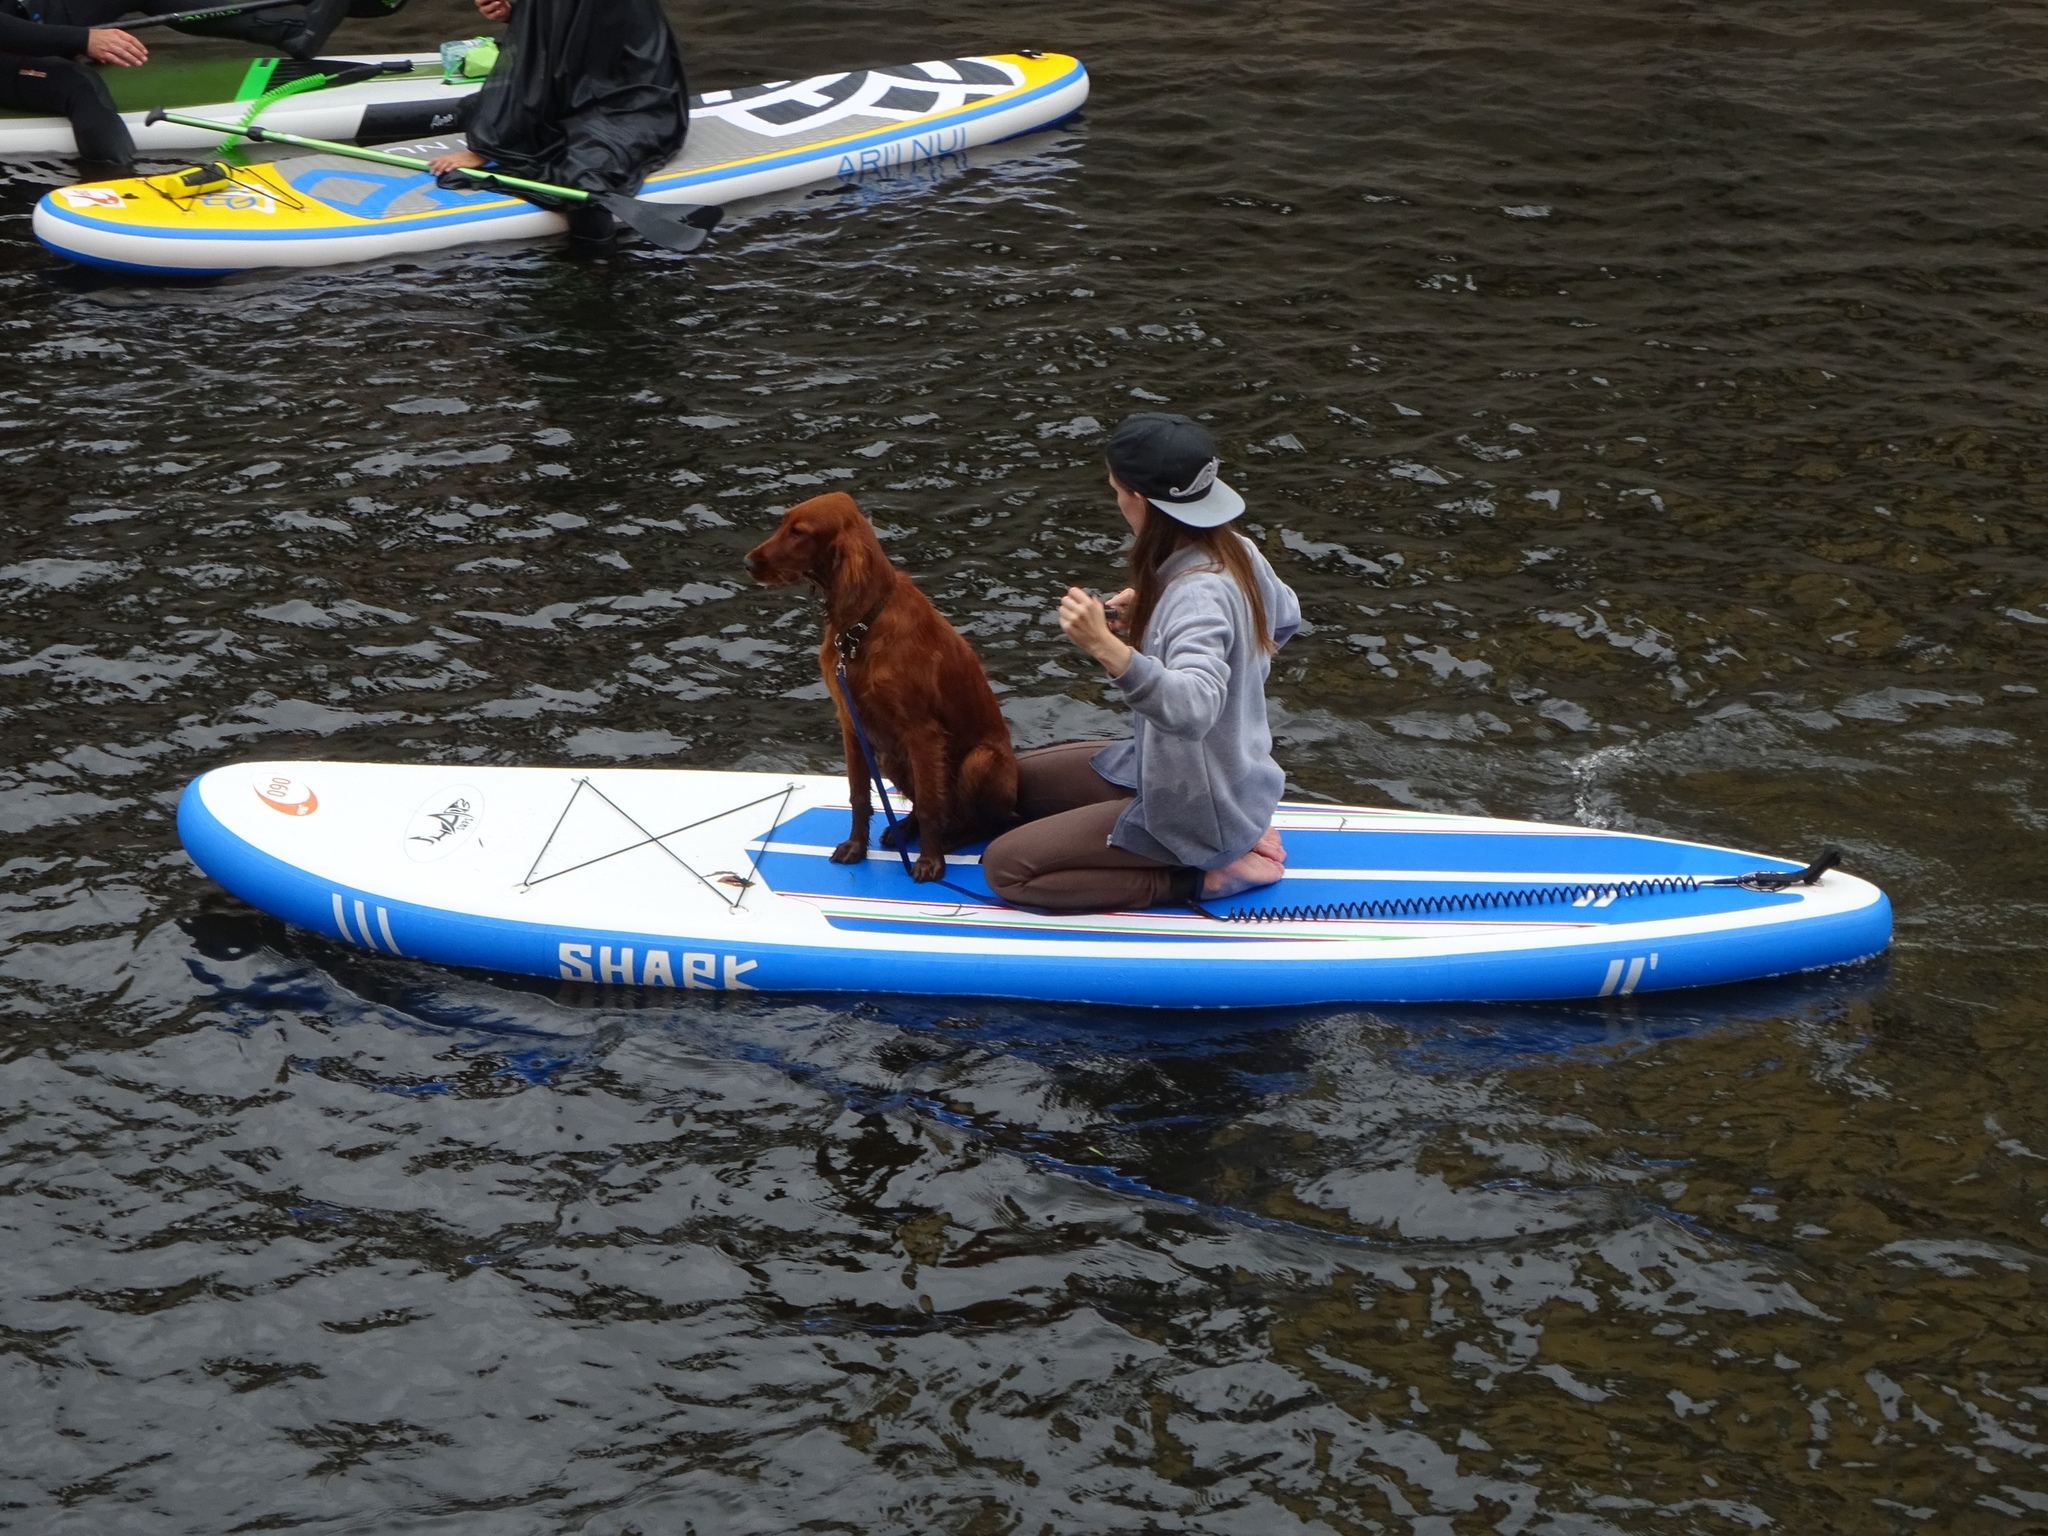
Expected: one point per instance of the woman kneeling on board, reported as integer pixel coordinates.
(1183, 811)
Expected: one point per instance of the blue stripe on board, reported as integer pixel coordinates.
(1564, 851)
(1568, 855)
(1546, 850)
(941, 927)
(500, 208)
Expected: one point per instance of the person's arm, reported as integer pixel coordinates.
(1283, 611)
(20, 35)
(1181, 691)
(1283, 608)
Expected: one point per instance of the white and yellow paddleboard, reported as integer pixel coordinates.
(320, 209)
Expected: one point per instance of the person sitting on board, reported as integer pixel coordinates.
(47, 48)
(1183, 810)
(46, 56)
(586, 93)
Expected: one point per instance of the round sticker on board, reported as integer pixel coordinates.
(445, 821)
(286, 794)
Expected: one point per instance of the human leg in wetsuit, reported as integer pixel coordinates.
(301, 35)
(54, 87)
(40, 73)
(298, 37)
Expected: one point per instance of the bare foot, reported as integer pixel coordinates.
(1245, 874)
(1269, 846)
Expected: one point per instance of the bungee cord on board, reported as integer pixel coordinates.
(744, 883)
(1599, 894)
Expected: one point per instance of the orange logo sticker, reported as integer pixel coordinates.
(286, 795)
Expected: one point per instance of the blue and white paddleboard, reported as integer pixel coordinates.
(721, 881)
(316, 210)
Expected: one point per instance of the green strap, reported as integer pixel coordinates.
(257, 80)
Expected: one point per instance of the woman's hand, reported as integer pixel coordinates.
(110, 45)
(460, 160)
(495, 10)
(1083, 621)
(1119, 610)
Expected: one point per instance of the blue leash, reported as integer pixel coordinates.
(867, 754)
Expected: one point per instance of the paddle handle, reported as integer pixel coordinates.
(357, 152)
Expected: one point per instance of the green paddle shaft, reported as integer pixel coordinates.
(357, 152)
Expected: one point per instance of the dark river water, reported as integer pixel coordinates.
(1646, 401)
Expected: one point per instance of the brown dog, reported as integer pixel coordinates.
(918, 687)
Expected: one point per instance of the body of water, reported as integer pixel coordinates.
(1646, 403)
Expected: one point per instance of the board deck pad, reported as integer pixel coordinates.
(319, 209)
(689, 878)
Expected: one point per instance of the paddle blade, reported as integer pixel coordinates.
(672, 226)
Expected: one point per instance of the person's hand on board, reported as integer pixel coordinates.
(110, 45)
(459, 160)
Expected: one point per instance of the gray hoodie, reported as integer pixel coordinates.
(1202, 757)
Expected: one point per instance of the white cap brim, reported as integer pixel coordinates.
(1212, 509)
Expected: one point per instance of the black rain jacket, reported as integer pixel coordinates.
(586, 94)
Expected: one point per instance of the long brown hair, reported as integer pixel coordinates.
(1158, 537)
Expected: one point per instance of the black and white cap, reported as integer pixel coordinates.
(1171, 461)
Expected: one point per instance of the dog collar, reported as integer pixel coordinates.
(849, 640)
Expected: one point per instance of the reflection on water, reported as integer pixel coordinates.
(1644, 408)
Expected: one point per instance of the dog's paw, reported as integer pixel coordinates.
(930, 866)
(902, 835)
(852, 851)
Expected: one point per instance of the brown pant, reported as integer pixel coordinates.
(1061, 859)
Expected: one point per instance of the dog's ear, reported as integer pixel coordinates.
(863, 563)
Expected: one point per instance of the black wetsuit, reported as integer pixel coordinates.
(297, 34)
(39, 73)
(40, 41)
(289, 30)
